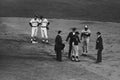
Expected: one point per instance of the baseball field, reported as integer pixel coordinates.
(21, 60)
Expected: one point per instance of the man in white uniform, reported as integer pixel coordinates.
(44, 28)
(34, 23)
(85, 38)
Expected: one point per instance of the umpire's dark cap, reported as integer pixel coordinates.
(41, 17)
(98, 33)
(77, 32)
(36, 15)
(74, 29)
(59, 31)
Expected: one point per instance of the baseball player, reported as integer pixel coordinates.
(75, 45)
(34, 23)
(85, 38)
(44, 28)
(70, 39)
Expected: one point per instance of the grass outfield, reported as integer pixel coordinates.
(21, 60)
(102, 10)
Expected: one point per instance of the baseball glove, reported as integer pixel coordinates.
(47, 28)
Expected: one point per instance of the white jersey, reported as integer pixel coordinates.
(44, 22)
(35, 22)
(85, 33)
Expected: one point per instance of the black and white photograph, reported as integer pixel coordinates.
(59, 39)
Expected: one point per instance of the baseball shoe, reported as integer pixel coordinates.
(47, 41)
(77, 59)
(98, 62)
(43, 40)
(84, 54)
(73, 58)
(34, 42)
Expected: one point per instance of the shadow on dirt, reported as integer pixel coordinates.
(37, 57)
(91, 57)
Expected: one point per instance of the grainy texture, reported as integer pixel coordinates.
(102, 10)
(21, 60)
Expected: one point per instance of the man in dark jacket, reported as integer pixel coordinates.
(69, 37)
(99, 47)
(59, 46)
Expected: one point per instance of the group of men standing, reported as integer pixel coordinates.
(35, 23)
(74, 40)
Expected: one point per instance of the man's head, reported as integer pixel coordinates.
(98, 33)
(59, 31)
(41, 17)
(73, 29)
(86, 27)
(35, 16)
(77, 33)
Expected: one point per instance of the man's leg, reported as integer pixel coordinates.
(76, 50)
(99, 56)
(56, 54)
(35, 33)
(46, 35)
(70, 49)
(73, 53)
(84, 47)
(59, 55)
(76, 53)
(87, 45)
(42, 34)
(32, 34)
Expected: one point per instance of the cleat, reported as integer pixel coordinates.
(76, 59)
(43, 40)
(34, 42)
(72, 58)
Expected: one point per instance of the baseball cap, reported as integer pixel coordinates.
(74, 29)
(77, 32)
(59, 31)
(98, 33)
(86, 26)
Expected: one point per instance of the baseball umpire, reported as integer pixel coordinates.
(99, 47)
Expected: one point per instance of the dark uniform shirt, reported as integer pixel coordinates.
(58, 43)
(99, 43)
(70, 37)
(76, 40)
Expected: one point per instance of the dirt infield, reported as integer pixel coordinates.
(21, 60)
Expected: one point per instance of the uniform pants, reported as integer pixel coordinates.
(59, 55)
(99, 55)
(75, 50)
(85, 45)
(70, 49)
(34, 31)
(44, 33)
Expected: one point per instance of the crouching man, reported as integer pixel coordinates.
(59, 46)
